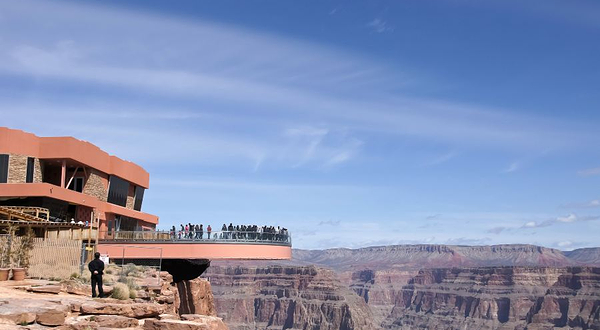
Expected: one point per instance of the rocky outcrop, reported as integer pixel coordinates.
(64, 307)
(587, 256)
(417, 287)
(495, 298)
(196, 297)
(277, 297)
(432, 256)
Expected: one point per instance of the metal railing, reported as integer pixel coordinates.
(197, 237)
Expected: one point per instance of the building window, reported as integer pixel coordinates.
(76, 184)
(30, 162)
(139, 197)
(117, 191)
(3, 168)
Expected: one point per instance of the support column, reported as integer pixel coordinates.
(63, 174)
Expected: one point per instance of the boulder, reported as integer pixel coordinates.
(168, 317)
(196, 297)
(136, 310)
(26, 317)
(75, 307)
(55, 289)
(17, 318)
(152, 324)
(51, 316)
(116, 321)
(212, 322)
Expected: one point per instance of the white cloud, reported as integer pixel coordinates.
(243, 69)
(514, 166)
(590, 172)
(443, 158)
(569, 218)
(564, 244)
(380, 26)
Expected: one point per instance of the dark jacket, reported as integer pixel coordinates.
(96, 264)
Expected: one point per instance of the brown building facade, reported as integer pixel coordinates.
(74, 180)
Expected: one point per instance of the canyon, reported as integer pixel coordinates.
(413, 287)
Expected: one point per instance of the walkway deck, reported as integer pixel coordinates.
(220, 246)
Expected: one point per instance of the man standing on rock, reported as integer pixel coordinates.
(96, 267)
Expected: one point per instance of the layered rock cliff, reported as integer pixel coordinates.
(277, 297)
(587, 256)
(413, 287)
(499, 298)
(430, 256)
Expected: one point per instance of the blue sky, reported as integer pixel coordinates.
(350, 123)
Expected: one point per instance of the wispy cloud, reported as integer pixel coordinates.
(583, 205)
(468, 241)
(264, 74)
(496, 230)
(571, 218)
(330, 223)
(514, 166)
(380, 26)
(442, 159)
(569, 244)
(590, 172)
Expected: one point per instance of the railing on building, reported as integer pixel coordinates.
(213, 237)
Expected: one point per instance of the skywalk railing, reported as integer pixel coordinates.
(205, 237)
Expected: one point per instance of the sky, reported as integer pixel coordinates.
(351, 123)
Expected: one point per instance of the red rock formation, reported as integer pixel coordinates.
(432, 256)
(415, 287)
(492, 298)
(286, 297)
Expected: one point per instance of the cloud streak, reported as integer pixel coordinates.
(590, 172)
(571, 218)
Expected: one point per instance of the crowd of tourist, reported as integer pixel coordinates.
(192, 231)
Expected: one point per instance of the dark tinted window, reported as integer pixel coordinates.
(76, 184)
(3, 168)
(139, 197)
(117, 191)
(30, 162)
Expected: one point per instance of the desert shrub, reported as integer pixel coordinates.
(130, 270)
(132, 294)
(74, 276)
(131, 284)
(120, 291)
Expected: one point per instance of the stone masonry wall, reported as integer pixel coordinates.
(130, 197)
(37, 171)
(95, 186)
(17, 168)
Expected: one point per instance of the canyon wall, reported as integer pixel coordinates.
(284, 297)
(412, 287)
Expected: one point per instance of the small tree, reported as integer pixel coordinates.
(6, 246)
(22, 250)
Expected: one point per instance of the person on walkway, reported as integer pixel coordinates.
(208, 231)
(96, 267)
(201, 230)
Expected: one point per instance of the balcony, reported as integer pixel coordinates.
(227, 237)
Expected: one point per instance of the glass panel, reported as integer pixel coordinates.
(30, 162)
(117, 192)
(3, 168)
(139, 197)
